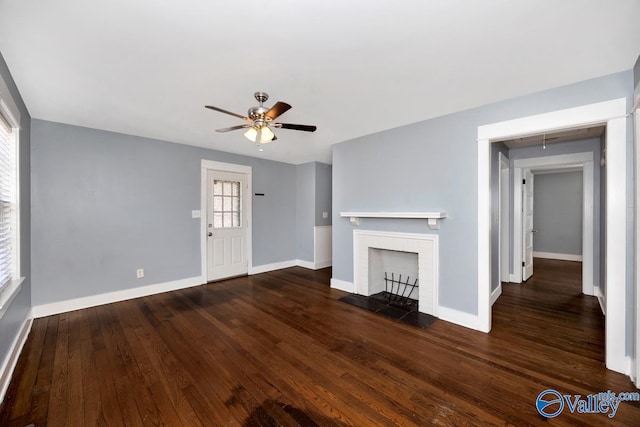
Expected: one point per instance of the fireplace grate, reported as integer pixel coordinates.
(393, 288)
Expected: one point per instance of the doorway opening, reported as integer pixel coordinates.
(225, 220)
(523, 231)
(612, 114)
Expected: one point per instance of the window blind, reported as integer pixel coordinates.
(8, 160)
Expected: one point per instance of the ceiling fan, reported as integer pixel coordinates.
(261, 119)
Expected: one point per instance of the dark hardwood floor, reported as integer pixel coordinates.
(280, 349)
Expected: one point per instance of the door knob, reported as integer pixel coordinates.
(534, 231)
(210, 234)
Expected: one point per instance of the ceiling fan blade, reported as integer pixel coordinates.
(227, 112)
(306, 128)
(233, 128)
(277, 109)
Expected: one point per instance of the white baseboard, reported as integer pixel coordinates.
(343, 285)
(9, 363)
(272, 267)
(110, 297)
(313, 265)
(496, 293)
(458, 317)
(286, 264)
(306, 264)
(513, 279)
(322, 264)
(562, 257)
(601, 301)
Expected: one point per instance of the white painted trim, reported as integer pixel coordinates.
(342, 285)
(600, 298)
(8, 294)
(612, 113)
(225, 167)
(616, 236)
(569, 161)
(576, 117)
(8, 104)
(635, 363)
(483, 319)
(503, 218)
(322, 264)
(495, 294)
(264, 268)
(554, 162)
(418, 215)
(10, 361)
(514, 279)
(306, 264)
(516, 247)
(590, 244)
(431, 217)
(458, 317)
(552, 255)
(554, 170)
(58, 307)
(313, 265)
(206, 165)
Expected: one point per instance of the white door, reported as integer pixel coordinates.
(527, 226)
(226, 225)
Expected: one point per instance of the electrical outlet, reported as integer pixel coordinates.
(140, 273)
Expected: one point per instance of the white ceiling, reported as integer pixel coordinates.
(148, 67)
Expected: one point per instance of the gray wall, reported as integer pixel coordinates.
(323, 193)
(432, 165)
(105, 204)
(306, 202)
(592, 145)
(496, 149)
(557, 213)
(313, 198)
(17, 311)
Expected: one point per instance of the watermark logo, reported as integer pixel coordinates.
(550, 403)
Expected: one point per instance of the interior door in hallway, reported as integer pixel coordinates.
(527, 226)
(226, 225)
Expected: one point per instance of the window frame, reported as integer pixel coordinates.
(11, 115)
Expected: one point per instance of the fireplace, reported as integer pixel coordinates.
(410, 254)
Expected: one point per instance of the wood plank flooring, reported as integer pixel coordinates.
(279, 349)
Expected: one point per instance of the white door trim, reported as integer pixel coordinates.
(583, 161)
(635, 371)
(206, 165)
(503, 218)
(612, 113)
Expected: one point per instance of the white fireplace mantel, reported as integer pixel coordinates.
(431, 217)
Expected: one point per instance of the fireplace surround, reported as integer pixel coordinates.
(424, 245)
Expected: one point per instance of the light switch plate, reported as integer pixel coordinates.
(195, 214)
(325, 214)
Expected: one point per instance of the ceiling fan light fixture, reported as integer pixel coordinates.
(265, 137)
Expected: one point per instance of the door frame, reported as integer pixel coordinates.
(211, 165)
(584, 161)
(613, 113)
(504, 223)
(635, 371)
